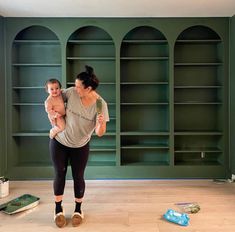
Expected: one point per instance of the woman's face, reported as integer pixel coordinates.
(82, 92)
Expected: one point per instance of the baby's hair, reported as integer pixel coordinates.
(88, 78)
(52, 81)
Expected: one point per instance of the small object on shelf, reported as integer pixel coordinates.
(99, 106)
(20, 204)
(176, 217)
(4, 187)
(189, 207)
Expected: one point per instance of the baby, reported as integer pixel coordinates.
(54, 106)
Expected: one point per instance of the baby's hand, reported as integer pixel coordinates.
(53, 122)
(58, 115)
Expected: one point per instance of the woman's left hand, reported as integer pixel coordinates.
(100, 119)
(100, 125)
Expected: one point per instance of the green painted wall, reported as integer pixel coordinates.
(2, 99)
(232, 92)
(117, 28)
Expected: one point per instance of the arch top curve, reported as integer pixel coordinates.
(36, 32)
(144, 33)
(198, 32)
(90, 33)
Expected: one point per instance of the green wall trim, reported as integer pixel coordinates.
(2, 100)
(232, 94)
(32, 173)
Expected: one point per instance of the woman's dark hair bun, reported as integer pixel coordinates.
(89, 70)
(88, 77)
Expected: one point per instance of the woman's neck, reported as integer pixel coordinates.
(89, 99)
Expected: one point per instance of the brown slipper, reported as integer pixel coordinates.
(77, 218)
(60, 219)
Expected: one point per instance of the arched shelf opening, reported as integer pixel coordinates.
(144, 97)
(35, 57)
(93, 46)
(198, 97)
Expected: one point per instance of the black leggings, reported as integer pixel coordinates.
(61, 155)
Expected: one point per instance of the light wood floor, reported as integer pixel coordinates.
(127, 206)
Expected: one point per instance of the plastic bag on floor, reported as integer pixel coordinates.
(189, 207)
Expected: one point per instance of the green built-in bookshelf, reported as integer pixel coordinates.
(165, 82)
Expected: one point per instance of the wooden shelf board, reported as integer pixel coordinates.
(198, 103)
(27, 87)
(198, 64)
(36, 64)
(198, 133)
(29, 134)
(199, 41)
(144, 147)
(144, 133)
(198, 150)
(145, 41)
(145, 83)
(28, 104)
(37, 41)
(145, 58)
(86, 42)
(197, 163)
(145, 163)
(143, 103)
(101, 163)
(91, 58)
(197, 87)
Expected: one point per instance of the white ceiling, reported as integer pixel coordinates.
(117, 8)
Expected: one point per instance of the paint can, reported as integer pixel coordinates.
(4, 187)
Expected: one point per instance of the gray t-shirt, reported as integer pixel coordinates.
(80, 120)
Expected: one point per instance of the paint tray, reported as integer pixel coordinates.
(20, 204)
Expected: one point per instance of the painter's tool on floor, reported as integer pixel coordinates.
(20, 204)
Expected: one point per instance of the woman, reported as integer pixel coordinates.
(72, 144)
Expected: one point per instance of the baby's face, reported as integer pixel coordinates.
(53, 89)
